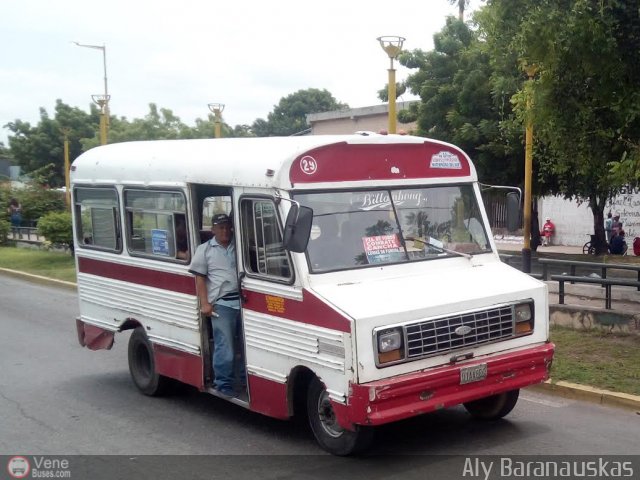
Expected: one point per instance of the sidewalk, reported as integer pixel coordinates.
(515, 244)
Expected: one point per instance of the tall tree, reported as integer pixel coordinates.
(586, 101)
(34, 147)
(459, 105)
(289, 116)
(462, 4)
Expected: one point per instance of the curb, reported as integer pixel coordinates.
(590, 394)
(39, 279)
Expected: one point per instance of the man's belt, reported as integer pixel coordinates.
(230, 296)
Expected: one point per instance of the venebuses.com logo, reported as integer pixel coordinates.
(18, 467)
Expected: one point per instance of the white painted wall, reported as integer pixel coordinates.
(574, 223)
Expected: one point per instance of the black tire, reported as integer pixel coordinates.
(494, 407)
(329, 434)
(142, 365)
(586, 248)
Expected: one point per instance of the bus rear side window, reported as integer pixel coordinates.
(97, 215)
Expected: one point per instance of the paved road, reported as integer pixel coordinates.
(58, 398)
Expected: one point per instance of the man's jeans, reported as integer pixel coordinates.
(225, 326)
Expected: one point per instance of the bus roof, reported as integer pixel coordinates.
(282, 162)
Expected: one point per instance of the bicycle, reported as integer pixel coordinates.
(590, 249)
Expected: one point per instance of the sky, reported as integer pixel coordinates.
(182, 55)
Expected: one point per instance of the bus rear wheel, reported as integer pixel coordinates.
(142, 365)
(326, 429)
(493, 407)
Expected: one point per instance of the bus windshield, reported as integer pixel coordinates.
(359, 228)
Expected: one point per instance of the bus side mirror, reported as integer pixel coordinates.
(513, 211)
(297, 228)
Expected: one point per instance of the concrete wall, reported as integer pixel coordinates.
(574, 222)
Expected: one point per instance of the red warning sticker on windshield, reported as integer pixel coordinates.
(383, 248)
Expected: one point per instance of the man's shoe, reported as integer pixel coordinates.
(226, 393)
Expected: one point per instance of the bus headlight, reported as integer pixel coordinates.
(390, 345)
(523, 315)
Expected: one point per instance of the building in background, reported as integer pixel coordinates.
(351, 120)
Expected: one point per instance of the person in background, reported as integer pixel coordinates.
(15, 213)
(616, 226)
(608, 227)
(618, 245)
(547, 231)
(214, 266)
(182, 241)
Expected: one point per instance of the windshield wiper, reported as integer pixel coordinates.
(437, 244)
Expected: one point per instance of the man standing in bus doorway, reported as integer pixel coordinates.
(214, 265)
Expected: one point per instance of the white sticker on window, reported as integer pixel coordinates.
(160, 242)
(445, 160)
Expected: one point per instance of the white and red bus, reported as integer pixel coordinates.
(371, 287)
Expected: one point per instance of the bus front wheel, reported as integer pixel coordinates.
(493, 407)
(328, 432)
(142, 365)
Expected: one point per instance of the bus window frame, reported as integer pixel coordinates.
(246, 264)
(117, 216)
(172, 213)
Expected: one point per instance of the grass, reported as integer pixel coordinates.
(602, 360)
(52, 264)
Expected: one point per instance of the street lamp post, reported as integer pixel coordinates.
(392, 45)
(217, 109)
(528, 172)
(102, 100)
(65, 132)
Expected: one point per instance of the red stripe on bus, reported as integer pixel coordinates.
(268, 397)
(343, 162)
(311, 310)
(173, 282)
(183, 366)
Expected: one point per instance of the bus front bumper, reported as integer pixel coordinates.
(404, 396)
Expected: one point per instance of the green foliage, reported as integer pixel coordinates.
(586, 104)
(289, 116)
(34, 147)
(383, 94)
(5, 228)
(56, 227)
(37, 201)
(460, 105)
(158, 124)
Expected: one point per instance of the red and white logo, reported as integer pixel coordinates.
(18, 467)
(308, 165)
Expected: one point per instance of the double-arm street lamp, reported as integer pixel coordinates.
(101, 100)
(217, 109)
(392, 45)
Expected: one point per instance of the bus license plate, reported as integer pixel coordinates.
(474, 373)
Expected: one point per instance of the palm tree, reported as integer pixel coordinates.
(462, 4)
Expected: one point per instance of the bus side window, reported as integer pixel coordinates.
(157, 224)
(264, 252)
(97, 217)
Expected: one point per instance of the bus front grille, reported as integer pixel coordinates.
(458, 331)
